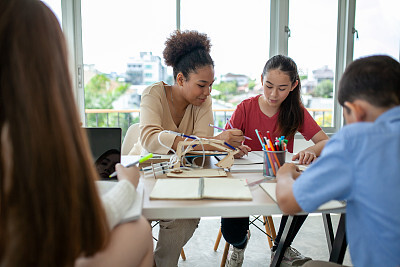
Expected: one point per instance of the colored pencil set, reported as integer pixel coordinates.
(273, 150)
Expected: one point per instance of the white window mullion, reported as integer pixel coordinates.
(344, 49)
(178, 14)
(72, 27)
(279, 22)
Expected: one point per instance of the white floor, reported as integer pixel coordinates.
(310, 241)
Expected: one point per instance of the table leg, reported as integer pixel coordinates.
(284, 242)
(340, 243)
(326, 217)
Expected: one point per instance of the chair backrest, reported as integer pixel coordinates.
(131, 137)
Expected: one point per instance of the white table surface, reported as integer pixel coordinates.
(262, 203)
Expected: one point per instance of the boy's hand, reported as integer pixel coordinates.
(131, 174)
(290, 170)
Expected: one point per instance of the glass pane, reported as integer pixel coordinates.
(377, 23)
(312, 45)
(55, 6)
(122, 53)
(239, 33)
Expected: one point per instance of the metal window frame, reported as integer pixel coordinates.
(279, 21)
(72, 28)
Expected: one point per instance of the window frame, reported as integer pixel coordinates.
(279, 26)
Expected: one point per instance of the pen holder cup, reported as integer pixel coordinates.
(273, 160)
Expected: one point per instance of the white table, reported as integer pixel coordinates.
(262, 203)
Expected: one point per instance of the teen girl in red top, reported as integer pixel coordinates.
(280, 111)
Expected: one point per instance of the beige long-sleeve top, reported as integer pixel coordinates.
(155, 117)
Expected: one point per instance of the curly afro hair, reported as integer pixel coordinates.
(186, 51)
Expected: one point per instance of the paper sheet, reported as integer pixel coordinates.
(270, 189)
(254, 157)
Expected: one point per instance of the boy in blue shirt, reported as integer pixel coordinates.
(360, 164)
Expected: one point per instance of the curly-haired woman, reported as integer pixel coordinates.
(183, 107)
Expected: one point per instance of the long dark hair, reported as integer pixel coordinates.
(187, 51)
(291, 116)
(50, 211)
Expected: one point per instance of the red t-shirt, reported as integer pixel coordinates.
(248, 117)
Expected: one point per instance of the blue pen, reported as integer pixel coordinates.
(228, 145)
(184, 135)
(259, 138)
(188, 136)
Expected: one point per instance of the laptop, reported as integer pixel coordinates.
(105, 144)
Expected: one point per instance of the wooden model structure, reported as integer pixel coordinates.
(186, 146)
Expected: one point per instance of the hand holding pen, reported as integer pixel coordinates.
(230, 125)
(148, 156)
(130, 174)
(244, 150)
(233, 136)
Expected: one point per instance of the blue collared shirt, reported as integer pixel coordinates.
(361, 164)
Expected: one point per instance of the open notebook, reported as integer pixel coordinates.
(201, 188)
(135, 210)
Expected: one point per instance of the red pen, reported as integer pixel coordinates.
(269, 136)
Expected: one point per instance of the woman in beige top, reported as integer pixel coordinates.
(184, 107)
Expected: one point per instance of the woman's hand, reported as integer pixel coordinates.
(305, 157)
(131, 174)
(234, 137)
(243, 150)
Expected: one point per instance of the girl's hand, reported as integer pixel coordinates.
(305, 157)
(244, 150)
(131, 174)
(234, 137)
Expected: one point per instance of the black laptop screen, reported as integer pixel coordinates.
(105, 144)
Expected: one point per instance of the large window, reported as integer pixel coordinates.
(312, 45)
(122, 44)
(122, 53)
(378, 28)
(239, 33)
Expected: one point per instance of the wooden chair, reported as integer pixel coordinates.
(269, 231)
(131, 137)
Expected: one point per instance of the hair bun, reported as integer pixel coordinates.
(181, 43)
